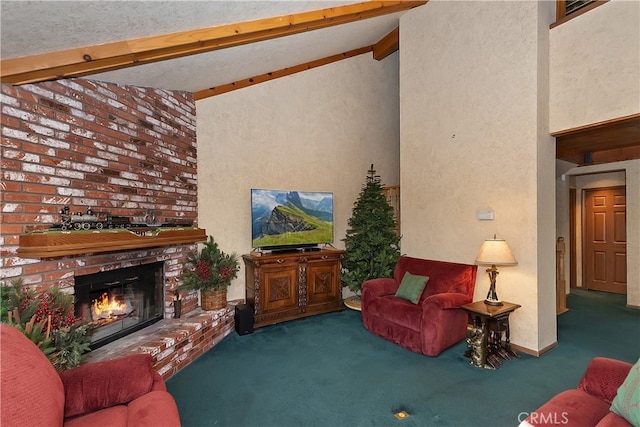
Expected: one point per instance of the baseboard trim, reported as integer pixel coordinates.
(535, 353)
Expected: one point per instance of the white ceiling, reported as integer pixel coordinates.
(34, 27)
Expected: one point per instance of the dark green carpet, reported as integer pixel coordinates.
(328, 370)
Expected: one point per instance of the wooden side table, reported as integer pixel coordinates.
(488, 324)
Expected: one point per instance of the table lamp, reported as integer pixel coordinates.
(494, 252)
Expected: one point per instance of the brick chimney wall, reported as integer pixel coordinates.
(118, 149)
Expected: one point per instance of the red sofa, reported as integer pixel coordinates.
(119, 392)
(589, 403)
(436, 322)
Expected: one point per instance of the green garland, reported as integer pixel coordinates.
(48, 320)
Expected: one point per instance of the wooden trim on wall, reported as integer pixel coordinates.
(561, 11)
(111, 56)
(239, 84)
(573, 235)
(603, 142)
(596, 126)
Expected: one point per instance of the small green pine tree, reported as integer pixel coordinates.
(209, 269)
(371, 243)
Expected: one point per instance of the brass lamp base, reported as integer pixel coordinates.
(493, 302)
(492, 296)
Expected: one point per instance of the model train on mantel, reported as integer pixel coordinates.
(92, 221)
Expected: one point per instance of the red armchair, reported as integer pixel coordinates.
(119, 392)
(589, 404)
(436, 322)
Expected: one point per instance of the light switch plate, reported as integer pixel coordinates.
(485, 215)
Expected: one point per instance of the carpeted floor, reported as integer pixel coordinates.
(327, 370)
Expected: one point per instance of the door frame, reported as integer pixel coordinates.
(573, 234)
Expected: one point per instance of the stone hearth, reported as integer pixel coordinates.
(173, 343)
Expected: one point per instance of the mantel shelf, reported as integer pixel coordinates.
(51, 244)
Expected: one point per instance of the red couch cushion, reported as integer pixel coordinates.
(154, 409)
(31, 390)
(603, 377)
(571, 407)
(443, 276)
(100, 385)
(396, 310)
(116, 416)
(613, 420)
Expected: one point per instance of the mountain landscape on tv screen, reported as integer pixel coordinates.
(289, 218)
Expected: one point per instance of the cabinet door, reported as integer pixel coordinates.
(323, 281)
(279, 288)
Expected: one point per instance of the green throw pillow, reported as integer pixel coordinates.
(627, 401)
(411, 287)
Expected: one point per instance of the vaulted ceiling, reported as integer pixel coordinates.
(211, 47)
(185, 45)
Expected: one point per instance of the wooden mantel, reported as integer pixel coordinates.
(51, 244)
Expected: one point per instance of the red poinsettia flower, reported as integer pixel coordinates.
(203, 270)
(225, 272)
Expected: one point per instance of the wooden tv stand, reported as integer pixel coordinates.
(289, 286)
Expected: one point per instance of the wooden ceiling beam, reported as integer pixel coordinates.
(614, 155)
(387, 45)
(83, 61)
(604, 156)
(604, 142)
(228, 87)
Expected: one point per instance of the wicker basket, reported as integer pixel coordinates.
(213, 299)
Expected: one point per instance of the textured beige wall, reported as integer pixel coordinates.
(595, 66)
(319, 130)
(474, 136)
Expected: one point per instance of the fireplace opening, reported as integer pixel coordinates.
(119, 302)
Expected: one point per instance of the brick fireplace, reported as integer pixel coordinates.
(119, 150)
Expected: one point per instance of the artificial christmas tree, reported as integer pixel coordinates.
(371, 242)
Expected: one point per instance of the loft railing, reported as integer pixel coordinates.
(568, 9)
(392, 193)
(571, 6)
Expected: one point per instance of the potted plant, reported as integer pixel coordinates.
(210, 271)
(372, 244)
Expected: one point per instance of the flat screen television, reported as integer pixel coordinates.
(282, 220)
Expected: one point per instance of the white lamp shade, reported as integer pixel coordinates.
(495, 252)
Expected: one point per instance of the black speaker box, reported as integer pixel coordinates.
(244, 319)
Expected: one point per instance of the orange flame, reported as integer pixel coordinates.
(106, 307)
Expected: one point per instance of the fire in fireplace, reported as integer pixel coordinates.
(119, 302)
